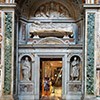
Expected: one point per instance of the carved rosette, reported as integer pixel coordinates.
(7, 52)
(90, 54)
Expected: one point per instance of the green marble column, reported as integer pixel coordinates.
(8, 52)
(90, 53)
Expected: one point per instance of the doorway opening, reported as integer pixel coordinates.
(50, 77)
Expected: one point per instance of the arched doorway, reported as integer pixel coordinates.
(51, 34)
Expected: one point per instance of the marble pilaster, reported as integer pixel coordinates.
(89, 52)
(8, 49)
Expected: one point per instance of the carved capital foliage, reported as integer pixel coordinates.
(8, 52)
(90, 54)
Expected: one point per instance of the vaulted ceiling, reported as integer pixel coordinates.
(27, 7)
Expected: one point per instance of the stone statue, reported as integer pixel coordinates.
(75, 69)
(26, 69)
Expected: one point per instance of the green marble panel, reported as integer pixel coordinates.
(90, 53)
(7, 52)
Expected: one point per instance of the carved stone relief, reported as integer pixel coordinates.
(75, 87)
(26, 88)
(52, 10)
(65, 29)
(23, 32)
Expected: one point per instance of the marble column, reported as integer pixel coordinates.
(90, 13)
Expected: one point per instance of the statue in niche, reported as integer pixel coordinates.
(75, 69)
(26, 69)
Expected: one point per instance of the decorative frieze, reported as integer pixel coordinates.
(7, 52)
(48, 27)
(90, 54)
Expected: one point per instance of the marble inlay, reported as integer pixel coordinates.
(90, 53)
(8, 52)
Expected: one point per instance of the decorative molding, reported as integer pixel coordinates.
(90, 54)
(97, 47)
(8, 52)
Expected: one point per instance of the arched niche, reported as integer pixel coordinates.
(29, 8)
(22, 55)
(52, 10)
(75, 68)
